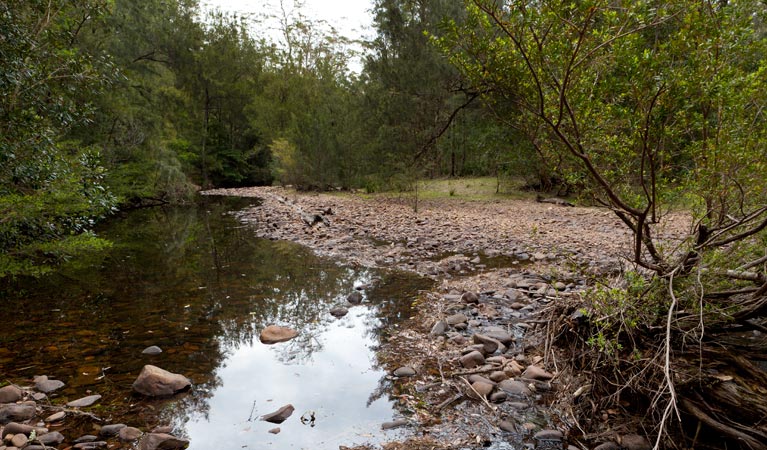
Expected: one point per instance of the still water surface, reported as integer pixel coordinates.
(199, 285)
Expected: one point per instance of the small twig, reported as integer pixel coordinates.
(449, 401)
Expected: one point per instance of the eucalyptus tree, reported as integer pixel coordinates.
(51, 190)
(654, 106)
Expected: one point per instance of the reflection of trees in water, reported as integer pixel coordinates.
(195, 283)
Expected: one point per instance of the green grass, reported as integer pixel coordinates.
(479, 188)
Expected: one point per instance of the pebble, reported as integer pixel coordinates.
(536, 373)
(10, 394)
(405, 371)
(635, 442)
(482, 388)
(473, 359)
(508, 426)
(92, 445)
(85, 439)
(280, 415)
(275, 430)
(111, 430)
(56, 417)
(393, 424)
(45, 385)
(498, 397)
(129, 434)
(19, 440)
(456, 319)
(50, 439)
(84, 402)
(470, 298)
(355, 298)
(439, 328)
(152, 350)
(338, 312)
(514, 387)
(549, 435)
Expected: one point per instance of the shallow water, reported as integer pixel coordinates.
(200, 286)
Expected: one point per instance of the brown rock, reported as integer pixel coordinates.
(43, 384)
(536, 373)
(156, 382)
(280, 415)
(482, 388)
(514, 387)
(498, 376)
(85, 401)
(16, 412)
(490, 345)
(470, 297)
(56, 416)
(10, 394)
(275, 430)
(129, 434)
(19, 440)
(635, 442)
(274, 334)
(473, 359)
(513, 369)
(162, 441)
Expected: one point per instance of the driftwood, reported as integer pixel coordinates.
(553, 200)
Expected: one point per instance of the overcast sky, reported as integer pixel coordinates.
(350, 17)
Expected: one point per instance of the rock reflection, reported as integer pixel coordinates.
(200, 286)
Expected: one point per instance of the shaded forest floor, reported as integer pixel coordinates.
(520, 257)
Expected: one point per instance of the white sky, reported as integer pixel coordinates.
(351, 18)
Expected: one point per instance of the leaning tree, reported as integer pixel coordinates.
(659, 107)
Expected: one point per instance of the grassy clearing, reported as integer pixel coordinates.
(480, 188)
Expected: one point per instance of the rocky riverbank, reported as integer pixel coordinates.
(472, 368)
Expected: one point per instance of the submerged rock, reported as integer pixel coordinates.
(274, 334)
(280, 415)
(111, 430)
(156, 382)
(43, 384)
(152, 350)
(85, 401)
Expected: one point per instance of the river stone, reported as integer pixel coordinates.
(498, 376)
(635, 442)
(393, 424)
(152, 350)
(355, 298)
(455, 319)
(536, 373)
(275, 430)
(19, 440)
(514, 387)
(38, 396)
(111, 430)
(280, 415)
(156, 382)
(165, 429)
(43, 384)
(274, 334)
(162, 441)
(500, 336)
(10, 394)
(50, 439)
(85, 401)
(92, 445)
(16, 428)
(470, 298)
(498, 397)
(16, 412)
(439, 328)
(474, 378)
(513, 369)
(56, 416)
(549, 435)
(490, 345)
(473, 359)
(85, 439)
(608, 446)
(129, 434)
(405, 371)
(508, 426)
(339, 312)
(482, 388)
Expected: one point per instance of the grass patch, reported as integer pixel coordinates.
(478, 188)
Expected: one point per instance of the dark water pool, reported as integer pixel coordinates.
(198, 284)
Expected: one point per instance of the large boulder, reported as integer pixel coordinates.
(156, 382)
(274, 334)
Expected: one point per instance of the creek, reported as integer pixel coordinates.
(200, 285)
